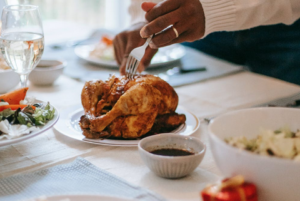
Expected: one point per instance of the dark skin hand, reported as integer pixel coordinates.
(185, 15)
(129, 39)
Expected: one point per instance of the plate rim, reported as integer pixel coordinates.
(36, 133)
(81, 196)
(113, 63)
(66, 123)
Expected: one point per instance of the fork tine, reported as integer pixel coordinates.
(136, 65)
(130, 67)
(128, 64)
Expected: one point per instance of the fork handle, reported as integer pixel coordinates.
(148, 40)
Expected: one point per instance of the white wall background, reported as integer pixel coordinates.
(116, 14)
(110, 14)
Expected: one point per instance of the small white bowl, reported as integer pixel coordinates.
(171, 166)
(8, 80)
(276, 179)
(46, 72)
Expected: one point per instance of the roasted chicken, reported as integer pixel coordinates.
(122, 108)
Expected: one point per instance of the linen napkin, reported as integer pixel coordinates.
(77, 177)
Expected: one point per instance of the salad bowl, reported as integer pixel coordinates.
(276, 178)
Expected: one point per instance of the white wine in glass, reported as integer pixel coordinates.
(22, 39)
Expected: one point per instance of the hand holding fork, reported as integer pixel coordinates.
(134, 59)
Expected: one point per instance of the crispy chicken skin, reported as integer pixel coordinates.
(122, 108)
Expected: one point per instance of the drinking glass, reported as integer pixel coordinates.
(22, 38)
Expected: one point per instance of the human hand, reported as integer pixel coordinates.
(126, 41)
(186, 16)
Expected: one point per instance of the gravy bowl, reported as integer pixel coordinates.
(277, 179)
(171, 166)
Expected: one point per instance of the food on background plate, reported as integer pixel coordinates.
(104, 49)
(19, 117)
(230, 189)
(129, 109)
(281, 143)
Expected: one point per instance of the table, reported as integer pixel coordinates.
(205, 99)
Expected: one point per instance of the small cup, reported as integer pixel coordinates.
(46, 72)
(171, 166)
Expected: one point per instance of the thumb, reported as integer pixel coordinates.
(146, 60)
(146, 6)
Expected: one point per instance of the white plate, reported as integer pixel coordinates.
(79, 198)
(68, 125)
(35, 133)
(164, 56)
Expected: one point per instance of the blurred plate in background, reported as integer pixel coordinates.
(164, 56)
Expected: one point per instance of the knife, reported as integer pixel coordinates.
(186, 75)
(178, 70)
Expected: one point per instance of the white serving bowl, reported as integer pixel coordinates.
(46, 72)
(8, 80)
(171, 166)
(276, 179)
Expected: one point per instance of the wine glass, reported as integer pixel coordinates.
(22, 39)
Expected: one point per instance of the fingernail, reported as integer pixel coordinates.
(152, 45)
(144, 33)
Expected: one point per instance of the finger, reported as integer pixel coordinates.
(168, 35)
(161, 23)
(117, 50)
(116, 54)
(141, 67)
(146, 6)
(146, 60)
(184, 37)
(123, 66)
(162, 8)
(123, 43)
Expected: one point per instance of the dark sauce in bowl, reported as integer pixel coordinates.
(172, 152)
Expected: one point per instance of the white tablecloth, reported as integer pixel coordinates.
(205, 99)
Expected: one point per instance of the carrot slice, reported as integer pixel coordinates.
(14, 107)
(107, 40)
(14, 97)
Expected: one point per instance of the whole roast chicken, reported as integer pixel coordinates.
(123, 108)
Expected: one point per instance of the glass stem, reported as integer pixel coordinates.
(24, 78)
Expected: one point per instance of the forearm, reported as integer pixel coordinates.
(137, 14)
(232, 15)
